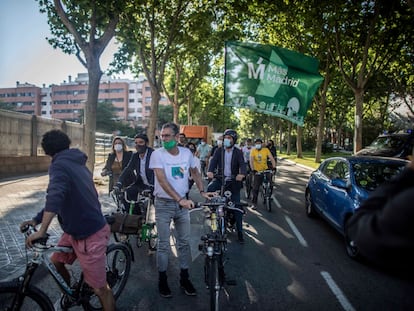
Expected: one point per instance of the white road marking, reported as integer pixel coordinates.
(346, 305)
(296, 232)
(276, 202)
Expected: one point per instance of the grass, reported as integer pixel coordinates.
(308, 158)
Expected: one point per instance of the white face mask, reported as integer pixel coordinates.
(118, 147)
(219, 143)
(258, 146)
(203, 143)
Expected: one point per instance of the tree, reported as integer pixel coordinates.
(165, 114)
(7, 106)
(368, 38)
(105, 116)
(147, 35)
(84, 28)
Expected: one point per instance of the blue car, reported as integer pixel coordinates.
(340, 184)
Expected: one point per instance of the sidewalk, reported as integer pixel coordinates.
(22, 197)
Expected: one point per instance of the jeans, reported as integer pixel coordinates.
(257, 182)
(234, 187)
(165, 211)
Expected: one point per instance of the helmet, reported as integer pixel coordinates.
(231, 133)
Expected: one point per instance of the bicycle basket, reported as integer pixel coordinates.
(127, 224)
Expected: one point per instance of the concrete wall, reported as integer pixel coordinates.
(20, 138)
(17, 166)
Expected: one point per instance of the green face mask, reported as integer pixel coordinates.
(169, 144)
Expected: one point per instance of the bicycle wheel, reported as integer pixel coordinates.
(269, 199)
(33, 299)
(213, 284)
(153, 238)
(118, 260)
(121, 237)
(248, 187)
(118, 265)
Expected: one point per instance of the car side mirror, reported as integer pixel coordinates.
(340, 183)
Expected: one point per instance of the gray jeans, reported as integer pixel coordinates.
(165, 211)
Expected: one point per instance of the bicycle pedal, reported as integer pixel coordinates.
(231, 282)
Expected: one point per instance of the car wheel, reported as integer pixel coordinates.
(351, 248)
(310, 209)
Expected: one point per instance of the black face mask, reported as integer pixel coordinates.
(141, 149)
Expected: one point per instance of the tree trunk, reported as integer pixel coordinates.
(280, 137)
(359, 108)
(153, 124)
(94, 73)
(289, 138)
(320, 130)
(299, 142)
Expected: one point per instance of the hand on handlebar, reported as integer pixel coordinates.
(209, 195)
(210, 175)
(117, 188)
(239, 177)
(24, 225)
(33, 237)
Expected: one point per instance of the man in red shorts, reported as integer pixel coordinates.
(71, 194)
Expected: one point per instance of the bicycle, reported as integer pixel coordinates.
(248, 186)
(214, 244)
(21, 294)
(143, 204)
(266, 188)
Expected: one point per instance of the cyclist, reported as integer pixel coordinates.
(203, 153)
(258, 163)
(193, 149)
(229, 164)
(246, 151)
(172, 165)
(117, 160)
(182, 140)
(140, 164)
(71, 194)
(219, 143)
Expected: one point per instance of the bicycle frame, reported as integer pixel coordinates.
(21, 293)
(214, 245)
(145, 234)
(41, 253)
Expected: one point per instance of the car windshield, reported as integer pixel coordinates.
(388, 142)
(370, 175)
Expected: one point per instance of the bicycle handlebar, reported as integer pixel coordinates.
(145, 193)
(264, 172)
(40, 245)
(212, 205)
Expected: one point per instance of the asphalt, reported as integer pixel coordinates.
(22, 197)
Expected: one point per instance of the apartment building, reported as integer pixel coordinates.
(24, 97)
(66, 101)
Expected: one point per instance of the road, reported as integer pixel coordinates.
(289, 262)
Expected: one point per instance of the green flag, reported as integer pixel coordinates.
(270, 79)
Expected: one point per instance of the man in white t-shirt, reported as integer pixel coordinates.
(172, 165)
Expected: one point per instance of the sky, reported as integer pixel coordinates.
(25, 54)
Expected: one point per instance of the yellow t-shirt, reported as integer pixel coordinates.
(260, 159)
